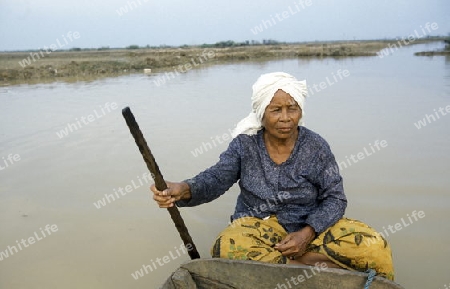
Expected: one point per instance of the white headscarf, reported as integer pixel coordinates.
(263, 91)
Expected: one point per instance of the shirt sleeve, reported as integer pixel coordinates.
(216, 180)
(332, 201)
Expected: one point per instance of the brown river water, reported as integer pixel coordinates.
(75, 208)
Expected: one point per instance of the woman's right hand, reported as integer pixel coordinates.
(173, 193)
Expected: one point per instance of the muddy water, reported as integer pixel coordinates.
(63, 147)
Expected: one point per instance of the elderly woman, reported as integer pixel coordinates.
(291, 203)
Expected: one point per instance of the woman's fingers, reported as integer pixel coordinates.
(286, 246)
(161, 193)
(283, 244)
(288, 250)
(292, 245)
(164, 201)
(174, 192)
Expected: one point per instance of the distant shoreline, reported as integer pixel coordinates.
(86, 65)
(433, 53)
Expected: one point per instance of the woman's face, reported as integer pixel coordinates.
(281, 116)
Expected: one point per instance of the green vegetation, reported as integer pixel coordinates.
(134, 46)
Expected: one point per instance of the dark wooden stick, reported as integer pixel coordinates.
(159, 180)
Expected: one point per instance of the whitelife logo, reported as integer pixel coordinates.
(11, 250)
(37, 55)
(85, 120)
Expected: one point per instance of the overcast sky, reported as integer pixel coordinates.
(33, 24)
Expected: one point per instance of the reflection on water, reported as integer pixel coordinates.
(58, 180)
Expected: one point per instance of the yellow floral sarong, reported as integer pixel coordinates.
(349, 243)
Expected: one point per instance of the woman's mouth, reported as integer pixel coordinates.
(284, 129)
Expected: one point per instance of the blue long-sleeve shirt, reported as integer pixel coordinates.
(306, 189)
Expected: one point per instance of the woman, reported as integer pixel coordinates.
(291, 205)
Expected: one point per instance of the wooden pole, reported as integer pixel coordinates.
(159, 181)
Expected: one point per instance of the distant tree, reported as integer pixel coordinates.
(228, 43)
(134, 46)
(270, 42)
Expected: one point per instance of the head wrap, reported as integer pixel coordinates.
(263, 91)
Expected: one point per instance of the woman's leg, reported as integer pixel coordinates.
(352, 245)
(250, 238)
(312, 259)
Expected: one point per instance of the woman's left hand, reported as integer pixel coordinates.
(294, 244)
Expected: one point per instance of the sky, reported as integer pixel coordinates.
(34, 24)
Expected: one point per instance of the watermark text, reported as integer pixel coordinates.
(279, 17)
(85, 120)
(130, 6)
(335, 78)
(34, 56)
(393, 47)
(25, 243)
(159, 262)
(9, 161)
(183, 68)
(392, 229)
(265, 208)
(302, 277)
(213, 143)
(355, 158)
(429, 118)
(109, 198)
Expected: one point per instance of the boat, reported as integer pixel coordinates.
(236, 274)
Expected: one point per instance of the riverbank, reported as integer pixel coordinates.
(442, 52)
(47, 66)
(433, 53)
